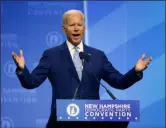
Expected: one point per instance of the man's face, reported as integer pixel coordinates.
(74, 28)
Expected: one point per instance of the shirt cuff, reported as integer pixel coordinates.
(19, 72)
(139, 74)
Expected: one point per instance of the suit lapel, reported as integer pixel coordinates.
(67, 60)
(85, 64)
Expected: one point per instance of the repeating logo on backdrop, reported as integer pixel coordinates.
(7, 122)
(45, 8)
(10, 68)
(18, 96)
(53, 39)
(9, 40)
(73, 110)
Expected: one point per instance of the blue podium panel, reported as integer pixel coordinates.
(98, 110)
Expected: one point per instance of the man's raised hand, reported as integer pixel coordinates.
(19, 60)
(142, 64)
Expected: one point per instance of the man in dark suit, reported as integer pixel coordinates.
(65, 71)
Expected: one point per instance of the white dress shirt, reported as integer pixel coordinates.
(71, 48)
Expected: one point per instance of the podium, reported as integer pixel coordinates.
(98, 110)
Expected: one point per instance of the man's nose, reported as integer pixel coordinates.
(76, 28)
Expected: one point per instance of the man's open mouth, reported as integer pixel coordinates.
(75, 35)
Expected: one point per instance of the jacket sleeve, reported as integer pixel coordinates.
(39, 74)
(116, 79)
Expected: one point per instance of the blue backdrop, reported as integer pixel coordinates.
(123, 30)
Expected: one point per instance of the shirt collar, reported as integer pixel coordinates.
(71, 46)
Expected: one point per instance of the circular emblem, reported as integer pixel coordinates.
(10, 68)
(53, 39)
(73, 110)
(7, 122)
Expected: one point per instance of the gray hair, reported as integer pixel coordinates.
(64, 17)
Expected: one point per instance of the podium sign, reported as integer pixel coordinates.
(98, 110)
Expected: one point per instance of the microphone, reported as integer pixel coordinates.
(82, 56)
(87, 58)
(75, 93)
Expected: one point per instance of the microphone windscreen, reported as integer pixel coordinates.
(81, 54)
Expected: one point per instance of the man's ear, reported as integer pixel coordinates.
(63, 28)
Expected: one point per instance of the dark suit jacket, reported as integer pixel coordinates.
(56, 64)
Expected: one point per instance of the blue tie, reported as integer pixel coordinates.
(77, 62)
